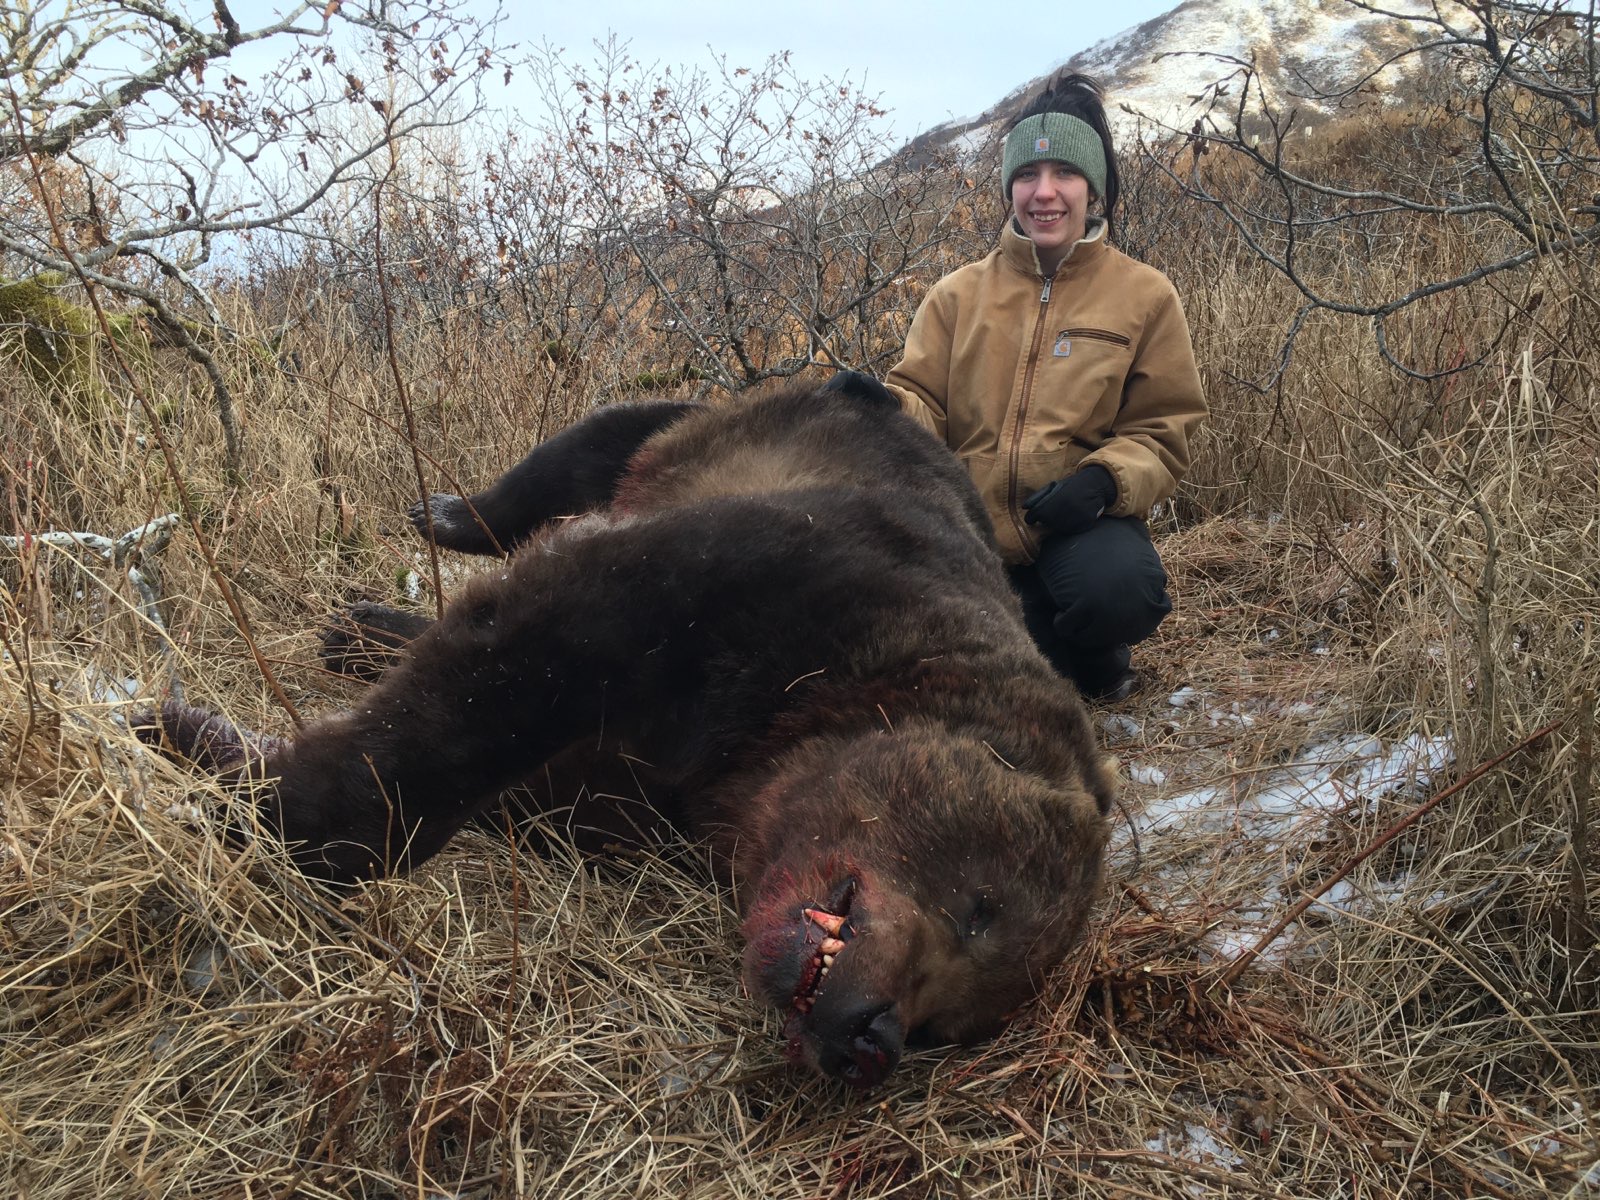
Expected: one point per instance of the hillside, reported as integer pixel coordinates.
(1166, 72)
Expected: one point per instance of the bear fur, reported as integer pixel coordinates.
(790, 608)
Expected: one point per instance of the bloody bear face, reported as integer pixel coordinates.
(922, 894)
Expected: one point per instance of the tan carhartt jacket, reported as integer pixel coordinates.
(1026, 378)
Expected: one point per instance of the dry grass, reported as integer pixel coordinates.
(185, 1020)
(1356, 557)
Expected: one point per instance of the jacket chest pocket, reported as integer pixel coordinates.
(1062, 346)
(1079, 389)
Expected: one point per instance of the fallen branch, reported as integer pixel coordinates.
(129, 552)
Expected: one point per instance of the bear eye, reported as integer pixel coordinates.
(980, 916)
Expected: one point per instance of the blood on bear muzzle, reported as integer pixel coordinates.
(827, 930)
(857, 1039)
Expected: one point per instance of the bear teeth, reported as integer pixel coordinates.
(821, 963)
(829, 923)
(831, 926)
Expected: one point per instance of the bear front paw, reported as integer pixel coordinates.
(451, 524)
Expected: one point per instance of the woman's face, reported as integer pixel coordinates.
(1051, 201)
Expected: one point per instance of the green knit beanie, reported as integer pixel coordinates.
(1056, 136)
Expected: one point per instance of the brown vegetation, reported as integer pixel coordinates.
(1360, 552)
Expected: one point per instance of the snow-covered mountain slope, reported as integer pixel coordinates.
(1165, 71)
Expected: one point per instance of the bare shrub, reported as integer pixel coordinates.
(1398, 334)
(752, 219)
(137, 143)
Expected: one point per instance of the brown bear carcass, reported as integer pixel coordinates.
(791, 608)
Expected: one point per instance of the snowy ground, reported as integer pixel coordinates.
(1273, 814)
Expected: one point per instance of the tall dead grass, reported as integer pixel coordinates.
(1356, 553)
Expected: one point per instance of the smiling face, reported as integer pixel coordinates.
(1051, 201)
(945, 890)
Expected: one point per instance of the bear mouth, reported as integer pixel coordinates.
(829, 929)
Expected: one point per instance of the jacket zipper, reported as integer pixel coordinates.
(1012, 499)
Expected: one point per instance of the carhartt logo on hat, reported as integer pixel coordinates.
(1041, 145)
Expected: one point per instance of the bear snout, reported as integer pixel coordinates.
(850, 962)
(845, 1020)
(858, 1042)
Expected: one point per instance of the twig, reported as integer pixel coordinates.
(402, 394)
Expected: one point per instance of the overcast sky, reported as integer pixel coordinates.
(929, 60)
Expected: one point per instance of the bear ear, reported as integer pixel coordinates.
(1105, 782)
(859, 386)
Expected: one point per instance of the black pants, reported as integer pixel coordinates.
(1090, 596)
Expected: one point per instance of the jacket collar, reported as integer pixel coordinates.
(1018, 251)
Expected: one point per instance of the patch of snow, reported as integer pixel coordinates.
(1272, 815)
(969, 145)
(1336, 901)
(1119, 727)
(1234, 714)
(1166, 814)
(1196, 1144)
(108, 689)
(1408, 769)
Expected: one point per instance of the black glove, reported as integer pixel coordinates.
(1073, 504)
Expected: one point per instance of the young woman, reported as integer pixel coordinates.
(1061, 372)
